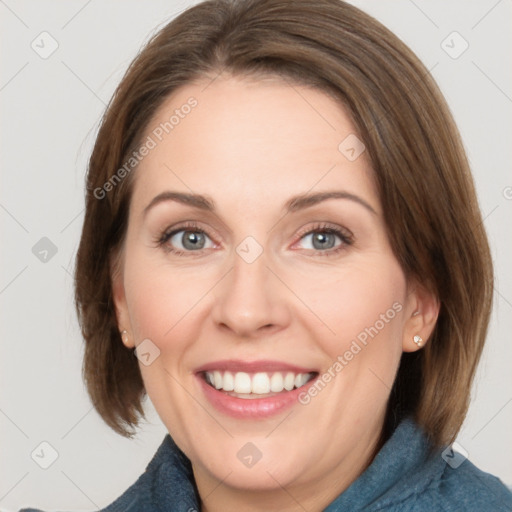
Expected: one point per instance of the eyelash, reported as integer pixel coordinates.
(345, 236)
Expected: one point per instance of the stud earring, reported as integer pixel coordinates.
(124, 336)
(418, 340)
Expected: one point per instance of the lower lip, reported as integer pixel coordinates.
(251, 408)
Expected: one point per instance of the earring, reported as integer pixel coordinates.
(124, 336)
(418, 340)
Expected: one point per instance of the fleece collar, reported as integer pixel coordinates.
(401, 468)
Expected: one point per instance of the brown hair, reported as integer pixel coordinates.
(422, 173)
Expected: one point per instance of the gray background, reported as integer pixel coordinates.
(50, 109)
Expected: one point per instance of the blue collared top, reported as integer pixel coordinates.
(405, 476)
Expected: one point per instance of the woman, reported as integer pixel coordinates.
(282, 247)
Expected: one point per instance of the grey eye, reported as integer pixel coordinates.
(190, 240)
(320, 240)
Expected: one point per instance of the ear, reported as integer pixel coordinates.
(119, 298)
(421, 313)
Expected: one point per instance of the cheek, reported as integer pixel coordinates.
(167, 306)
(359, 304)
(162, 301)
(363, 305)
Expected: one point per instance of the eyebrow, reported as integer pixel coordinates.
(306, 200)
(292, 205)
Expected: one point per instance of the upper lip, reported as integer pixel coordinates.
(262, 365)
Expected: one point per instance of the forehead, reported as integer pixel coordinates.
(255, 141)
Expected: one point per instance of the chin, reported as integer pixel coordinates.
(240, 464)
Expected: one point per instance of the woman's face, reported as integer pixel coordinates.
(256, 258)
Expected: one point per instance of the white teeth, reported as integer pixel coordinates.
(289, 381)
(260, 383)
(276, 383)
(301, 379)
(242, 383)
(229, 382)
(217, 379)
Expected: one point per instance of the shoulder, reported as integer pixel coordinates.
(472, 489)
(415, 477)
(465, 488)
(166, 484)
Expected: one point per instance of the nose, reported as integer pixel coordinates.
(250, 301)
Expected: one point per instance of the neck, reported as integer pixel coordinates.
(315, 494)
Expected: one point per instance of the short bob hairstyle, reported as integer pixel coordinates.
(420, 168)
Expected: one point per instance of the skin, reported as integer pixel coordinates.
(250, 146)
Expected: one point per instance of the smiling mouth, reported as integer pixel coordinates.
(256, 385)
